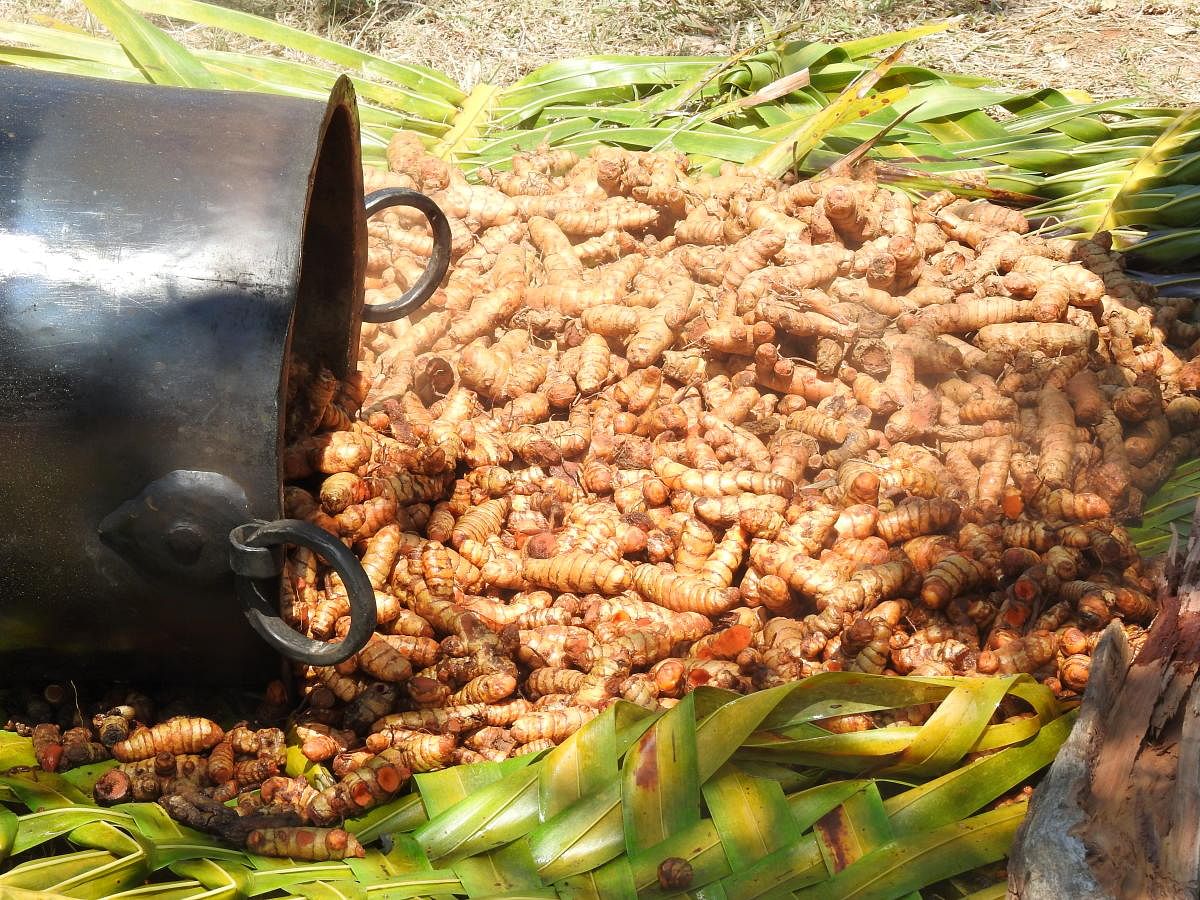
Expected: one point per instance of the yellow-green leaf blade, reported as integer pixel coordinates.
(852, 102)
(405, 814)
(1183, 131)
(38, 827)
(954, 728)
(661, 779)
(486, 819)
(914, 861)
(701, 845)
(750, 814)
(418, 78)
(581, 764)
(810, 132)
(162, 58)
(468, 124)
(8, 832)
(47, 873)
(505, 872)
(583, 836)
(853, 829)
(963, 791)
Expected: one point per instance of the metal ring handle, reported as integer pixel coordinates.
(263, 614)
(439, 260)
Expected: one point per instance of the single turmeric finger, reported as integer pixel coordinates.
(305, 843)
(182, 734)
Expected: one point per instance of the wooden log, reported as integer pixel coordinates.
(1118, 815)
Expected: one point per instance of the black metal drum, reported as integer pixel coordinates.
(162, 253)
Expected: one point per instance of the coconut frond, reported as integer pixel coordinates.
(745, 796)
(1169, 511)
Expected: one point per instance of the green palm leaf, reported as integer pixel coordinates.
(49, 873)
(1169, 510)
(596, 817)
(854, 101)
(853, 829)
(911, 862)
(222, 879)
(965, 790)
(484, 819)
(773, 103)
(1168, 204)
(39, 827)
(661, 779)
(1183, 132)
(420, 79)
(170, 890)
(407, 814)
(9, 826)
(605, 78)
(1168, 248)
(508, 872)
(750, 815)
(468, 124)
(163, 60)
(47, 791)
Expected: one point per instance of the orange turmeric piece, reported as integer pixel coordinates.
(961, 318)
(616, 214)
(727, 556)
(1027, 654)
(338, 451)
(182, 734)
(580, 573)
(1067, 506)
(551, 680)
(47, 746)
(987, 409)
(1084, 393)
(707, 483)
(725, 644)
(554, 725)
(749, 255)
(382, 660)
(681, 593)
(658, 330)
(594, 364)
(488, 688)
(868, 586)
(305, 843)
(804, 575)
(950, 578)
(221, 760)
(1056, 425)
(693, 542)
(735, 336)
(1053, 339)
(374, 782)
(318, 742)
(916, 517)
(993, 475)
(480, 522)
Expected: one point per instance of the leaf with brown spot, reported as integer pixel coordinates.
(853, 829)
(751, 815)
(661, 779)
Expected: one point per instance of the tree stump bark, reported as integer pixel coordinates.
(1118, 815)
